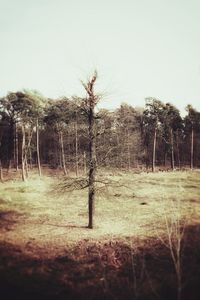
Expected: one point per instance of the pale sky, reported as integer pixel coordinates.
(140, 48)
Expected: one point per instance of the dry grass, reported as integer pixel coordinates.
(35, 216)
(145, 244)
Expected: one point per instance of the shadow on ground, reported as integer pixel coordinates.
(8, 219)
(117, 269)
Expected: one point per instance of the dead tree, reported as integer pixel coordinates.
(90, 103)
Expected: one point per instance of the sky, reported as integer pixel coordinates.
(140, 48)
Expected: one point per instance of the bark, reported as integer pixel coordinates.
(154, 150)
(192, 150)
(92, 165)
(38, 149)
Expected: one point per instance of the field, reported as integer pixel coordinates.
(145, 244)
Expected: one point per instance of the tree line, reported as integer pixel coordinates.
(38, 131)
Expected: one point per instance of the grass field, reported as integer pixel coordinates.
(47, 248)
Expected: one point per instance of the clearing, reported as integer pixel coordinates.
(46, 251)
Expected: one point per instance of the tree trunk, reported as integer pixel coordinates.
(92, 164)
(26, 165)
(172, 149)
(91, 102)
(29, 152)
(154, 150)
(58, 152)
(63, 153)
(192, 150)
(16, 148)
(9, 166)
(38, 148)
(23, 154)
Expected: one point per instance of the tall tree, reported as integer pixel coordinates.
(89, 104)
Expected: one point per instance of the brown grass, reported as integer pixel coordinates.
(131, 208)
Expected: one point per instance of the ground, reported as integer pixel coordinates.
(46, 247)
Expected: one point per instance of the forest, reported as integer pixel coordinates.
(43, 132)
(98, 203)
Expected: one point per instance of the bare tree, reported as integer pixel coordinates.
(90, 103)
